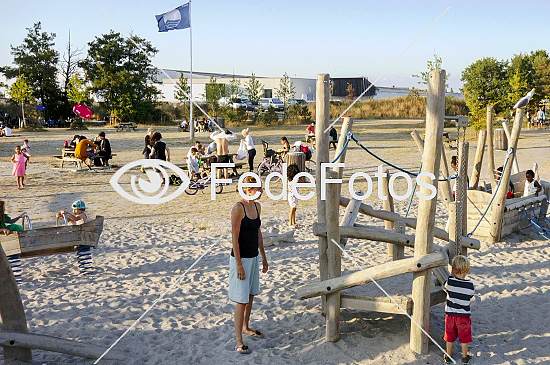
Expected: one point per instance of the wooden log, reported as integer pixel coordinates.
(388, 206)
(298, 158)
(524, 202)
(350, 216)
(398, 253)
(377, 304)
(444, 186)
(501, 142)
(515, 166)
(490, 147)
(334, 256)
(478, 162)
(410, 222)
(497, 208)
(435, 113)
(379, 272)
(10, 339)
(12, 312)
(322, 109)
(368, 233)
(347, 125)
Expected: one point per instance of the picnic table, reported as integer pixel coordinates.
(67, 155)
(125, 125)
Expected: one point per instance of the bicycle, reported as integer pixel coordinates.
(272, 162)
(202, 184)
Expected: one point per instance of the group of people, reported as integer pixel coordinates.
(539, 121)
(201, 125)
(99, 150)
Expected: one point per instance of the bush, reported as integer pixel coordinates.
(268, 117)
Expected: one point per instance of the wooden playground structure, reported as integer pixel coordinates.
(488, 209)
(15, 339)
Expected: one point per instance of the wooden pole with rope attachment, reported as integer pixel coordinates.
(435, 113)
(491, 147)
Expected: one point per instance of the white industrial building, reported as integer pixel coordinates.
(304, 88)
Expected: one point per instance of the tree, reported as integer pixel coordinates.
(21, 94)
(122, 75)
(432, 65)
(541, 69)
(36, 61)
(485, 83)
(254, 89)
(520, 77)
(69, 64)
(182, 93)
(213, 93)
(77, 92)
(285, 91)
(234, 89)
(351, 91)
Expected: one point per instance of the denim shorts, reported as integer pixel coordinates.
(239, 290)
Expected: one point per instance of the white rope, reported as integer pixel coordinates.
(391, 298)
(156, 301)
(386, 69)
(171, 79)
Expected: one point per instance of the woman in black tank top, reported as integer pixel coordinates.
(243, 264)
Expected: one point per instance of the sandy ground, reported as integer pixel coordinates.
(144, 249)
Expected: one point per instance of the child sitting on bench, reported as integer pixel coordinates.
(532, 186)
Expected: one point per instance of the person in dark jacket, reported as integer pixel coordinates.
(104, 150)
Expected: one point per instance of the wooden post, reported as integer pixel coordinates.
(350, 216)
(388, 206)
(490, 147)
(334, 255)
(444, 186)
(322, 110)
(462, 196)
(12, 312)
(435, 113)
(536, 171)
(515, 165)
(480, 150)
(398, 251)
(347, 124)
(497, 209)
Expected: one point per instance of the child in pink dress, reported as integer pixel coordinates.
(19, 160)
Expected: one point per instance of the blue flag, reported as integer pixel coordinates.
(175, 19)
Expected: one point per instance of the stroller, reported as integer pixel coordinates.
(269, 153)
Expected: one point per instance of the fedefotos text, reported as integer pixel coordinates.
(299, 186)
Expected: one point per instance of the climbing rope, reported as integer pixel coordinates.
(508, 154)
(389, 163)
(543, 232)
(344, 148)
(412, 195)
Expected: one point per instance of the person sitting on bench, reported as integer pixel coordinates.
(532, 186)
(81, 151)
(104, 151)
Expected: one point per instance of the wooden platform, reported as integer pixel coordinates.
(52, 240)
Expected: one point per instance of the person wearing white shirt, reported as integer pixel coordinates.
(247, 138)
(6, 132)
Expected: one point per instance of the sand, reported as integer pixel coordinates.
(144, 249)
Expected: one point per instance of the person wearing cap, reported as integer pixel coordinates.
(104, 150)
(78, 216)
(247, 138)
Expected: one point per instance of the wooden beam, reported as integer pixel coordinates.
(334, 257)
(435, 113)
(11, 339)
(515, 165)
(347, 124)
(377, 304)
(399, 251)
(497, 208)
(478, 162)
(379, 272)
(12, 312)
(350, 216)
(388, 206)
(322, 112)
(410, 222)
(368, 233)
(490, 147)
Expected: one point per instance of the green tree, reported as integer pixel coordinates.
(432, 65)
(254, 89)
(520, 78)
(285, 92)
(122, 75)
(77, 92)
(541, 79)
(182, 93)
(485, 83)
(21, 94)
(234, 89)
(213, 93)
(37, 61)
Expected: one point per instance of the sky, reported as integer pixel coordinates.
(345, 38)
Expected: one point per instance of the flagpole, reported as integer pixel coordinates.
(191, 122)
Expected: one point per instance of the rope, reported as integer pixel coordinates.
(156, 302)
(412, 195)
(543, 232)
(391, 298)
(344, 147)
(389, 163)
(508, 154)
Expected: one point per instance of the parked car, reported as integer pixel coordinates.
(253, 106)
(276, 103)
(297, 102)
(235, 103)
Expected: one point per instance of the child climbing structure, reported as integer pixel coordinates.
(427, 258)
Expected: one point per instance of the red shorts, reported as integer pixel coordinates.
(460, 327)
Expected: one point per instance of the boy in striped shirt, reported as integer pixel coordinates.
(457, 309)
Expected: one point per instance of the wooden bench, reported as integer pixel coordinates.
(125, 125)
(67, 157)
